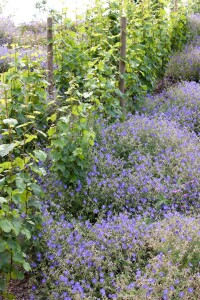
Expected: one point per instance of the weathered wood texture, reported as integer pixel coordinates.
(122, 64)
(50, 56)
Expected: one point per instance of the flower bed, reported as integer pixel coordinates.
(141, 164)
(120, 257)
(185, 65)
(180, 103)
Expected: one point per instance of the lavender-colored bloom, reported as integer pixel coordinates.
(154, 167)
(180, 103)
(181, 294)
(185, 65)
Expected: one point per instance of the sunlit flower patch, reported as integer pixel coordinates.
(180, 103)
(185, 65)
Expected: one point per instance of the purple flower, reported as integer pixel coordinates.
(103, 292)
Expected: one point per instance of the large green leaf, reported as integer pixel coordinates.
(11, 122)
(26, 266)
(21, 185)
(6, 148)
(2, 200)
(6, 226)
(26, 232)
(3, 245)
(41, 155)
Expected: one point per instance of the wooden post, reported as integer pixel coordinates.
(175, 5)
(122, 64)
(50, 57)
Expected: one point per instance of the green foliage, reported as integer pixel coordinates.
(71, 139)
(86, 78)
(87, 52)
(22, 94)
(87, 73)
(179, 30)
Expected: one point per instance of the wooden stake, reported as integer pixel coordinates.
(122, 64)
(175, 5)
(50, 56)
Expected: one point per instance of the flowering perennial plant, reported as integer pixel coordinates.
(4, 58)
(120, 257)
(33, 33)
(194, 24)
(143, 163)
(18, 57)
(7, 31)
(180, 102)
(185, 65)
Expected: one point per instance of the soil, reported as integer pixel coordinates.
(20, 288)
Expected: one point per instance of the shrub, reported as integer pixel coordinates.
(4, 58)
(180, 103)
(194, 24)
(173, 272)
(21, 56)
(140, 164)
(185, 65)
(196, 41)
(33, 33)
(118, 256)
(7, 31)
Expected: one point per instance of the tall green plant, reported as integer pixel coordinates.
(20, 215)
(88, 51)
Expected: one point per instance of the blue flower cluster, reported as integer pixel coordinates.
(180, 103)
(144, 164)
(185, 65)
(119, 256)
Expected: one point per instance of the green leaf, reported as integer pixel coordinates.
(24, 125)
(21, 186)
(21, 162)
(36, 189)
(3, 200)
(65, 119)
(5, 259)
(78, 152)
(6, 226)
(59, 143)
(26, 266)
(11, 122)
(56, 155)
(2, 181)
(3, 245)
(41, 155)
(17, 275)
(52, 118)
(6, 148)
(5, 166)
(30, 138)
(26, 232)
(30, 116)
(42, 133)
(2, 284)
(51, 131)
(16, 226)
(18, 256)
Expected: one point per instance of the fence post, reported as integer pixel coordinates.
(175, 5)
(122, 64)
(50, 57)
